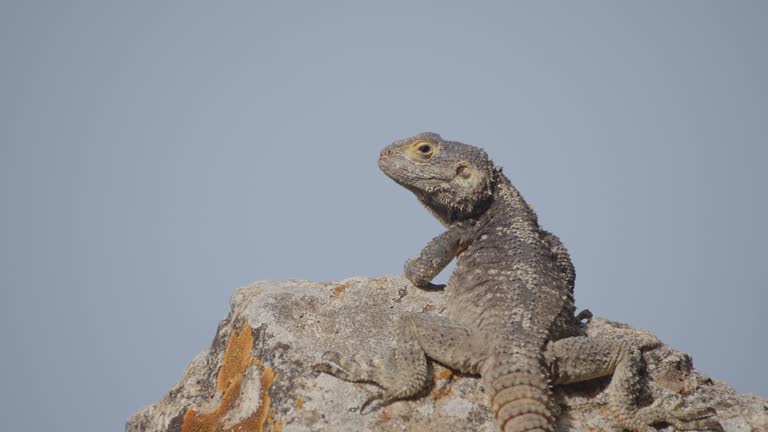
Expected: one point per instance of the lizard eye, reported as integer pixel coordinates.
(422, 150)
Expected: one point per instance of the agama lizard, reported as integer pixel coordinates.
(510, 308)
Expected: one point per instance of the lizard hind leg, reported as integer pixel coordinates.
(405, 372)
(579, 359)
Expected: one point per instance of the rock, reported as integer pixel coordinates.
(257, 374)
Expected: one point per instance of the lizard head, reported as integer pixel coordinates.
(454, 181)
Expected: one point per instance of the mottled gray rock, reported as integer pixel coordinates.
(257, 374)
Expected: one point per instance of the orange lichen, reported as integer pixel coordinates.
(274, 425)
(339, 290)
(299, 403)
(442, 390)
(444, 374)
(237, 360)
(384, 416)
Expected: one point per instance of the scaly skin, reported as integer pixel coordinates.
(510, 301)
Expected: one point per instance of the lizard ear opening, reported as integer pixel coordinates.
(469, 179)
(470, 187)
(464, 171)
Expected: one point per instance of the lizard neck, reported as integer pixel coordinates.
(507, 200)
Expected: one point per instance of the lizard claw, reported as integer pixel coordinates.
(698, 419)
(328, 368)
(698, 413)
(331, 356)
(682, 419)
(584, 315)
(331, 365)
(354, 369)
(372, 398)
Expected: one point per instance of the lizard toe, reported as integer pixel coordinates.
(331, 356)
(372, 398)
(680, 418)
(354, 369)
(694, 419)
(330, 369)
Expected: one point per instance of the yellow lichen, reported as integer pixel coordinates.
(237, 360)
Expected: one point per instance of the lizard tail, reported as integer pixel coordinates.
(520, 395)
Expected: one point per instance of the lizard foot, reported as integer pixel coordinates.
(681, 419)
(353, 369)
(372, 398)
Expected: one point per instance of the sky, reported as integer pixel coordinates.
(155, 156)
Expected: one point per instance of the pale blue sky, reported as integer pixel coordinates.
(154, 156)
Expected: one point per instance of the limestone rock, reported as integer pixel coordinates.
(257, 374)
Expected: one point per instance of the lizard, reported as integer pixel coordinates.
(510, 304)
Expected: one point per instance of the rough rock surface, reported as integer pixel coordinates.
(257, 374)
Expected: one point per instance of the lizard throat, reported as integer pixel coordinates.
(448, 215)
(442, 215)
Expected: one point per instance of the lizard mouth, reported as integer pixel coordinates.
(382, 164)
(385, 163)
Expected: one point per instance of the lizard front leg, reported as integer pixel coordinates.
(404, 372)
(437, 254)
